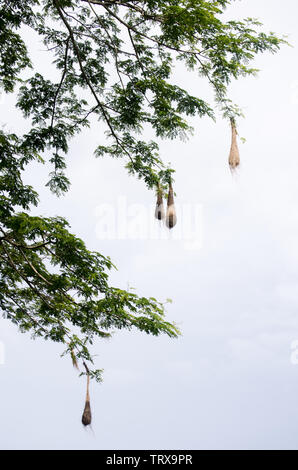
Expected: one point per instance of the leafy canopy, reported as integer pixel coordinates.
(115, 60)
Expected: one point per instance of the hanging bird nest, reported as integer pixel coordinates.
(171, 218)
(87, 416)
(74, 360)
(159, 209)
(234, 158)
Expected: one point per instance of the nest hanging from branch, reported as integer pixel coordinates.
(234, 158)
(87, 416)
(159, 209)
(171, 218)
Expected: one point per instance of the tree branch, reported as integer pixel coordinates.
(61, 82)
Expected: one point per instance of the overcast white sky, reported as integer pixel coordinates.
(228, 382)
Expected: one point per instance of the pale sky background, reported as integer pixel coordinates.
(228, 382)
